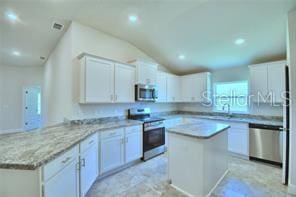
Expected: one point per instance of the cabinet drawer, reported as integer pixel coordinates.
(112, 133)
(60, 162)
(133, 129)
(88, 142)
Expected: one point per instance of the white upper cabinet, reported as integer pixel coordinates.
(173, 88)
(267, 81)
(195, 87)
(97, 80)
(103, 81)
(125, 77)
(276, 80)
(161, 85)
(146, 72)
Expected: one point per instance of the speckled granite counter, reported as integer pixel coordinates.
(30, 150)
(199, 129)
(266, 120)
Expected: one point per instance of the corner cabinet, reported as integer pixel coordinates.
(267, 81)
(145, 72)
(196, 87)
(104, 81)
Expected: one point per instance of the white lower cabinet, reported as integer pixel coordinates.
(120, 146)
(112, 152)
(133, 146)
(89, 163)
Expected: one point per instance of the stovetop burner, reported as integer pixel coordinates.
(142, 115)
(149, 119)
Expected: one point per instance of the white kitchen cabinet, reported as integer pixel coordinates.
(133, 146)
(238, 141)
(276, 80)
(61, 176)
(173, 88)
(106, 81)
(97, 80)
(89, 163)
(125, 77)
(145, 72)
(161, 85)
(195, 87)
(268, 81)
(112, 150)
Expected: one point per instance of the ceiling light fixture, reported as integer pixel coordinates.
(181, 57)
(239, 41)
(16, 53)
(11, 16)
(133, 18)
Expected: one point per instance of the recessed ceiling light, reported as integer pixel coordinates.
(133, 18)
(239, 41)
(11, 16)
(16, 53)
(181, 57)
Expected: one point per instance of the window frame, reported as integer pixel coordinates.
(215, 109)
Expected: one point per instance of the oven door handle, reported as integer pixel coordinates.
(154, 128)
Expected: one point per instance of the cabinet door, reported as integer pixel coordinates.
(146, 74)
(161, 86)
(258, 82)
(276, 80)
(133, 146)
(187, 88)
(99, 80)
(89, 168)
(124, 83)
(112, 155)
(238, 141)
(65, 183)
(173, 88)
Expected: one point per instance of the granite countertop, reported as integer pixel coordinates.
(30, 150)
(199, 129)
(265, 120)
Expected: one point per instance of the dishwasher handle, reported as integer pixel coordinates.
(266, 127)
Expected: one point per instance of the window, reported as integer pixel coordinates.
(231, 94)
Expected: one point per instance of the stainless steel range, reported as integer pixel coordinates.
(153, 132)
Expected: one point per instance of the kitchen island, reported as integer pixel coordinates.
(197, 156)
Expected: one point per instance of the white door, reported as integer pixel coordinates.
(125, 77)
(161, 87)
(133, 146)
(146, 74)
(99, 84)
(32, 107)
(258, 82)
(65, 183)
(89, 168)
(276, 80)
(112, 154)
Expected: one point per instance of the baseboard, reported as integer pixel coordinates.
(292, 189)
(10, 131)
(210, 192)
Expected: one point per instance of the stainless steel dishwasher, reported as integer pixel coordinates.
(266, 143)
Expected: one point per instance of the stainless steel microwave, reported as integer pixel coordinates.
(146, 93)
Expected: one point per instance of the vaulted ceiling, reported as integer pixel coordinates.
(204, 31)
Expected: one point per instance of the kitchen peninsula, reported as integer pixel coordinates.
(197, 156)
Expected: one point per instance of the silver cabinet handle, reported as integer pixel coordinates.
(66, 160)
(111, 97)
(116, 97)
(90, 142)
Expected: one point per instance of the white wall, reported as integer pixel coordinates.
(292, 63)
(12, 81)
(234, 74)
(62, 74)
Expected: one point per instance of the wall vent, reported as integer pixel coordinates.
(57, 26)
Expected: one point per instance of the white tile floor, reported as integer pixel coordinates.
(245, 178)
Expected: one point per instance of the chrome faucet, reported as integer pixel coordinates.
(228, 108)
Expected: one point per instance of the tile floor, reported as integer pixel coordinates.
(149, 179)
